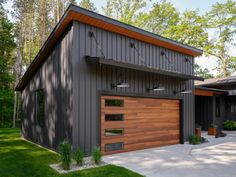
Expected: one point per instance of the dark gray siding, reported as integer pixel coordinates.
(204, 111)
(55, 77)
(91, 80)
(229, 114)
(219, 120)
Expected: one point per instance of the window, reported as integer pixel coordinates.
(217, 106)
(232, 106)
(39, 96)
(114, 102)
(114, 132)
(114, 117)
(114, 146)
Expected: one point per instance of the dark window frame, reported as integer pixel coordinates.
(40, 107)
(110, 129)
(116, 149)
(115, 117)
(114, 103)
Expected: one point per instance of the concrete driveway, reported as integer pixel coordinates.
(214, 159)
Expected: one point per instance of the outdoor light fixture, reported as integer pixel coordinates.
(184, 91)
(162, 53)
(188, 60)
(120, 85)
(156, 88)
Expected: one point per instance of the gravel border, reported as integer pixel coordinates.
(87, 164)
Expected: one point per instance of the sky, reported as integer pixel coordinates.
(203, 6)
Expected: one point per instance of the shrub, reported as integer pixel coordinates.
(229, 125)
(213, 126)
(79, 156)
(97, 155)
(65, 154)
(193, 139)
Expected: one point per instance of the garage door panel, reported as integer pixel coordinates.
(143, 110)
(139, 137)
(146, 123)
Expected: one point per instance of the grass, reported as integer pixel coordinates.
(19, 158)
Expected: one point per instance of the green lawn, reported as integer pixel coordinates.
(19, 158)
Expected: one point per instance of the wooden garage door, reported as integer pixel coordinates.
(131, 123)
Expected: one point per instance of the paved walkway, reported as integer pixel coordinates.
(214, 159)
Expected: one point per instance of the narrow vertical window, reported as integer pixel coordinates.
(39, 94)
(217, 106)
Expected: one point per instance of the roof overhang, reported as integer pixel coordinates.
(75, 13)
(203, 91)
(115, 63)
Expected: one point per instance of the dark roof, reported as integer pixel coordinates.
(111, 62)
(85, 16)
(216, 81)
(210, 89)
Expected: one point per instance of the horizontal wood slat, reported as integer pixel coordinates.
(148, 122)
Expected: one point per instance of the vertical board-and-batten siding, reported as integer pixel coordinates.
(55, 77)
(90, 80)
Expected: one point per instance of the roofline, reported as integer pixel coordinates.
(77, 13)
(132, 28)
(210, 89)
(218, 84)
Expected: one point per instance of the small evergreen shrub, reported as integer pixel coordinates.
(229, 125)
(97, 155)
(193, 139)
(213, 126)
(79, 157)
(65, 154)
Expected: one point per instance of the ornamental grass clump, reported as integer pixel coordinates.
(193, 139)
(79, 157)
(65, 154)
(97, 155)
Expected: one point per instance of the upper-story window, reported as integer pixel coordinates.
(39, 106)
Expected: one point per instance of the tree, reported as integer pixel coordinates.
(162, 16)
(205, 73)
(87, 4)
(124, 10)
(165, 20)
(34, 20)
(222, 19)
(190, 29)
(7, 46)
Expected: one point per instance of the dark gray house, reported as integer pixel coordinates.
(215, 101)
(97, 81)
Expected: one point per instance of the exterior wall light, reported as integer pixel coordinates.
(184, 91)
(120, 85)
(156, 89)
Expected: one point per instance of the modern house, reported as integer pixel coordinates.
(215, 101)
(98, 81)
